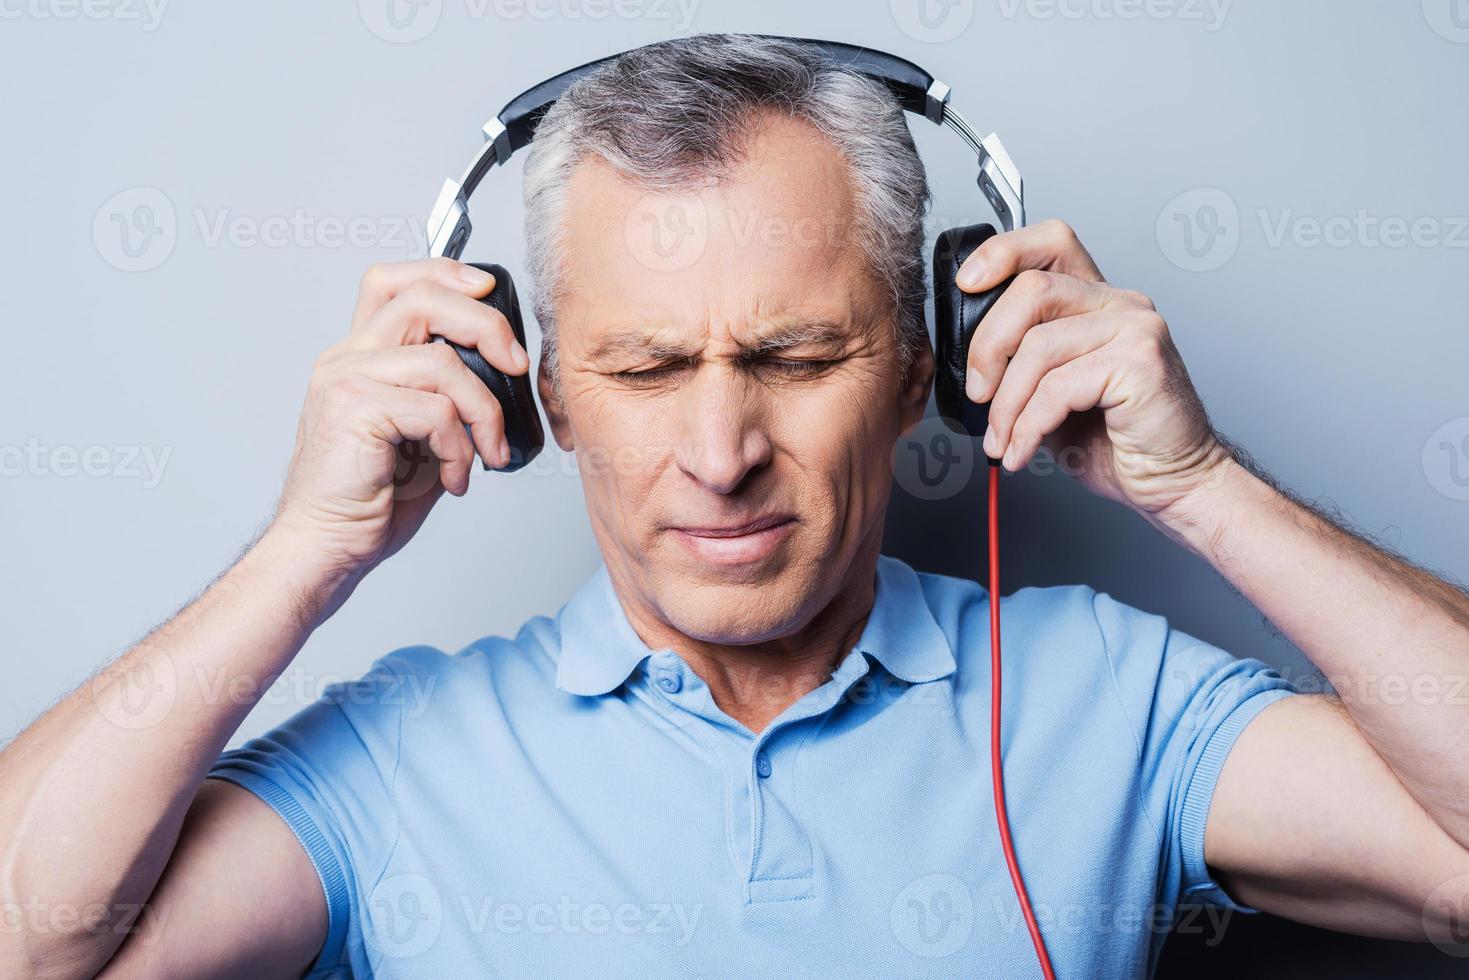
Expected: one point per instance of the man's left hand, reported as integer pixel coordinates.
(1088, 370)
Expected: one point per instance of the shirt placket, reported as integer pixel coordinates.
(772, 847)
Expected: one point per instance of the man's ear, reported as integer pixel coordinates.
(555, 410)
(913, 397)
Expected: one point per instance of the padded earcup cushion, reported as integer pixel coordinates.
(956, 314)
(514, 393)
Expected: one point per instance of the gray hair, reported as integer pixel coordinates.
(674, 113)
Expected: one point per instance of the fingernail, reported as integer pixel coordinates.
(971, 273)
(478, 278)
(504, 454)
(991, 444)
(974, 384)
(1009, 461)
(519, 356)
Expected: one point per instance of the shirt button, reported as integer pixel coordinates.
(762, 765)
(670, 681)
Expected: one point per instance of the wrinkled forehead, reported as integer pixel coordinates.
(772, 242)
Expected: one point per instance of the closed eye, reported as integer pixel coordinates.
(771, 368)
(653, 375)
(788, 368)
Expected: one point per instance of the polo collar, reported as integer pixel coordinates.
(600, 649)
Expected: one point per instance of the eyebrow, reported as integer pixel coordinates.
(815, 332)
(649, 345)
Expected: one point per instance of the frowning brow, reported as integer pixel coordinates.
(818, 333)
(660, 347)
(643, 346)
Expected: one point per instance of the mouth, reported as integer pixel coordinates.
(736, 544)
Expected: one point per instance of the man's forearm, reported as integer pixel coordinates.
(1392, 639)
(92, 795)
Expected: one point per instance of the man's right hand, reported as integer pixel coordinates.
(382, 433)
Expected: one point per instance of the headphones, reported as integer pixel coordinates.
(956, 313)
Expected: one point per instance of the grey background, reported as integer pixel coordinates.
(1337, 365)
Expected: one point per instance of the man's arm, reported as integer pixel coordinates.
(238, 898)
(101, 806)
(1352, 813)
(92, 796)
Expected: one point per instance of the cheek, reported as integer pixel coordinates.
(842, 434)
(621, 447)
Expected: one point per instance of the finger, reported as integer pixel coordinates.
(1050, 245)
(1034, 297)
(1043, 349)
(436, 368)
(426, 309)
(385, 280)
(1076, 386)
(410, 414)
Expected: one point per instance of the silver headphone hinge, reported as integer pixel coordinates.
(935, 100)
(496, 133)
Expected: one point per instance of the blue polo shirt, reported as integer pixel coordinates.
(569, 802)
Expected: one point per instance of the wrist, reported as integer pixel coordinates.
(312, 582)
(1200, 518)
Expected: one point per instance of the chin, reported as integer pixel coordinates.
(737, 609)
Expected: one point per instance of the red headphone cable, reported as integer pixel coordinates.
(997, 769)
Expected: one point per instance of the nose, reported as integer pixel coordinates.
(723, 438)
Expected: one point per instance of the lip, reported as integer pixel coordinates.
(736, 544)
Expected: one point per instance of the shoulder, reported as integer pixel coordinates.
(1057, 638)
(1073, 613)
(422, 678)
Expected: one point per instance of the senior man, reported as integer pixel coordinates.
(750, 744)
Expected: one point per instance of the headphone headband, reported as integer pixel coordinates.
(915, 89)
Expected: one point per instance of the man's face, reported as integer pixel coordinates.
(730, 382)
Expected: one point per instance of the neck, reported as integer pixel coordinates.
(754, 682)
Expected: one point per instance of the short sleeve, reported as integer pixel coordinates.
(1188, 702)
(329, 772)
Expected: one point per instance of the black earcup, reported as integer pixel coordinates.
(956, 314)
(514, 393)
